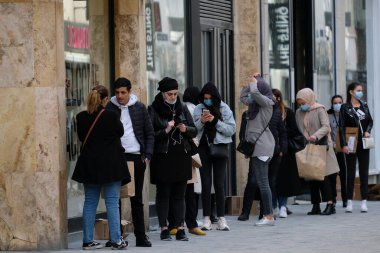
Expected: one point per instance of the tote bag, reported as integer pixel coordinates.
(311, 162)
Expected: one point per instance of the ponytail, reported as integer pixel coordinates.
(95, 97)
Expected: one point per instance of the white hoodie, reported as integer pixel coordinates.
(128, 140)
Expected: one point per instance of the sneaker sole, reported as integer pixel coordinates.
(223, 229)
(92, 248)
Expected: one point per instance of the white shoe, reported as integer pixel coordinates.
(276, 212)
(206, 223)
(264, 222)
(222, 224)
(349, 206)
(283, 212)
(363, 206)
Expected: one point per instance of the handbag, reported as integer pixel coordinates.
(218, 150)
(297, 143)
(368, 142)
(311, 162)
(351, 138)
(195, 158)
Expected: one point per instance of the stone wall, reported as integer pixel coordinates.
(32, 129)
(247, 62)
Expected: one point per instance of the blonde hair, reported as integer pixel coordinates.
(95, 97)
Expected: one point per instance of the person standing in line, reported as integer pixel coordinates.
(312, 120)
(138, 140)
(216, 125)
(355, 113)
(101, 164)
(171, 163)
(333, 112)
(288, 182)
(257, 95)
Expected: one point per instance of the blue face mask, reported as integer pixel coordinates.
(207, 102)
(358, 95)
(170, 103)
(305, 107)
(336, 107)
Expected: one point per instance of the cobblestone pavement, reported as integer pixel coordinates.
(341, 232)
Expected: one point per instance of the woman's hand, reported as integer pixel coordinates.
(182, 127)
(169, 126)
(345, 150)
(366, 135)
(313, 138)
(207, 118)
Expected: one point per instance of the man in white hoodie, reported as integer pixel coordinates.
(138, 141)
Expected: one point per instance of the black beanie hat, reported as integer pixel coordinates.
(167, 84)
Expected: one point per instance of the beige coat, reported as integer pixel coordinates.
(316, 122)
(319, 126)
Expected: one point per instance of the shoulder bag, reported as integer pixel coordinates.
(90, 130)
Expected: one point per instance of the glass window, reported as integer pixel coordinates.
(86, 67)
(324, 51)
(279, 46)
(165, 45)
(355, 42)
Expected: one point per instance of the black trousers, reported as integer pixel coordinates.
(191, 209)
(332, 182)
(212, 169)
(363, 158)
(342, 175)
(171, 196)
(318, 188)
(137, 204)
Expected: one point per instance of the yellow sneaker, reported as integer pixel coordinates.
(197, 231)
(173, 231)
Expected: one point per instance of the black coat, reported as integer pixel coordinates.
(168, 167)
(277, 127)
(101, 160)
(288, 181)
(142, 126)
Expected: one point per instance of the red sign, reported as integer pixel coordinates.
(78, 37)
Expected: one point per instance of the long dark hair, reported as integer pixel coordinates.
(334, 97)
(281, 106)
(350, 87)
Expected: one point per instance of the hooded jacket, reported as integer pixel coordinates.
(225, 125)
(137, 126)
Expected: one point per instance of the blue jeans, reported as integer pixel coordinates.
(282, 201)
(111, 195)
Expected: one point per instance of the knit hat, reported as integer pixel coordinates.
(167, 84)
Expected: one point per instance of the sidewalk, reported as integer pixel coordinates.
(342, 232)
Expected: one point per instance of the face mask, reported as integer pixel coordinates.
(336, 107)
(207, 102)
(305, 107)
(358, 95)
(170, 103)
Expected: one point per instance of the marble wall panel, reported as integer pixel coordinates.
(16, 46)
(247, 13)
(129, 7)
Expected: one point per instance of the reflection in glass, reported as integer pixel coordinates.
(324, 51)
(279, 46)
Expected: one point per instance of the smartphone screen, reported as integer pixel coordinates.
(206, 111)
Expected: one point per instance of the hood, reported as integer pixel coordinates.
(210, 88)
(264, 88)
(132, 100)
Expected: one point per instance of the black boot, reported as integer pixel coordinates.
(243, 216)
(315, 210)
(329, 210)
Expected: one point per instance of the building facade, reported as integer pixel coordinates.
(53, 52)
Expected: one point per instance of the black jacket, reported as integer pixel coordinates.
(277, 127)
(142, 126)
(101, 160)
(161, 143)
(348, 118)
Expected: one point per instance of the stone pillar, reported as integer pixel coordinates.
(130, 62)
(247, 61)
(32, 129)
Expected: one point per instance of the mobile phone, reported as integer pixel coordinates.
(206, 111)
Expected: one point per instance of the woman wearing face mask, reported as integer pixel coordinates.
(216, 124)
(170, 166)
(355, 113)
(333, 112)
(313, 122)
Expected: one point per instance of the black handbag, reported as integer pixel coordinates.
(246, 148)
(297, 143)
(218, 150)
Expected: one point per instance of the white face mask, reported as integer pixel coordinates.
(336, 107)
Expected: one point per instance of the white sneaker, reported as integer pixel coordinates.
(206, 223)
(276, 212)
(283, 212)
(264, 222)
(222, 224)
(363, 206)
(349, 206)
